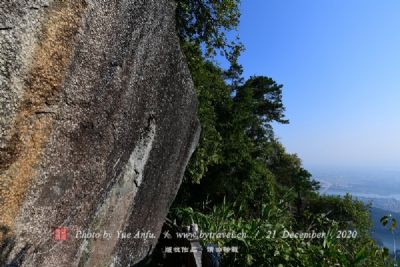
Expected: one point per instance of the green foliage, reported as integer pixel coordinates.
(391, 223)
(207, 22)
(260, 99)
(349, 213)
(213, 94)
(234, 150)
(245, 174)
(256, 187)
(264, 244)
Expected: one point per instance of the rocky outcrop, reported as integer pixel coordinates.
(97, 124)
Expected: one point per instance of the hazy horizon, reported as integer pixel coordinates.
(338, 62)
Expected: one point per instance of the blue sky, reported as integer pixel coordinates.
(339, 62)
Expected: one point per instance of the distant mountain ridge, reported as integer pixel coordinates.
(381, 197)
(389, 204)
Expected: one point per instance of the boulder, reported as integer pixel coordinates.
(97, 124)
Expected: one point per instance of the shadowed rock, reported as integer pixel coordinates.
(97, 124)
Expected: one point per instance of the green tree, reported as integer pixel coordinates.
(206, 22)
(243, 172)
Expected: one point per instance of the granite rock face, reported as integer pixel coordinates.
(97, 124)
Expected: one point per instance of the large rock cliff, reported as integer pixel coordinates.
(97, 124)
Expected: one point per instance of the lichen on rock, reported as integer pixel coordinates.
(97, 124)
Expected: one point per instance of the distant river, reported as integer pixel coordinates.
(358, 194)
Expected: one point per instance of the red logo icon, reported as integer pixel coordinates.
(60, 233)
